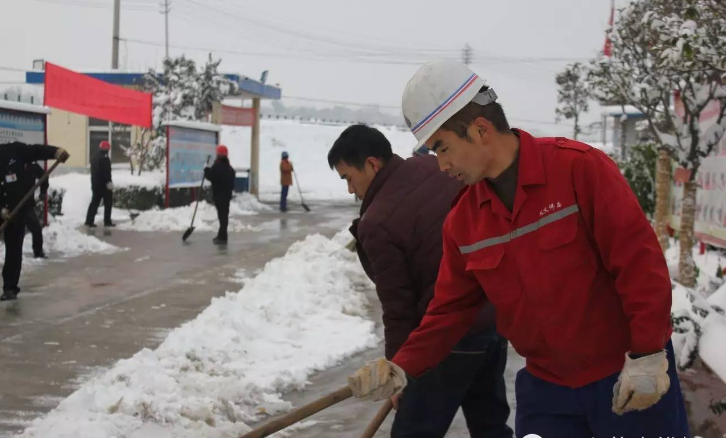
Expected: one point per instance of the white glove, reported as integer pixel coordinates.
(109, 185)
(641, 384)
(377, 380)
(5, 214)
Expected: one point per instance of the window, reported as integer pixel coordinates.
(98, 131)
(119, 139)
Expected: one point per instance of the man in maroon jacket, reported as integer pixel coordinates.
(398, 238)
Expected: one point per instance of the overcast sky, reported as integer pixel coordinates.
(356, 51)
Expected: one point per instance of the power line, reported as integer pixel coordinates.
(341, 102)
(97, 5)
(510, 59)
(319, 57)
(329, 40)
(275, 55)
(367, 50)
(216, 25)
(337, 33)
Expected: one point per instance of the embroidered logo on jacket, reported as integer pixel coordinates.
(550, 208)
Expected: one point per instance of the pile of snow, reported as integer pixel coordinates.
(303, 313)
(66, 240)
(700, 312)
(707, 264)
(78, 190)
(61, 240)
(179, 219)
(246, 204)
(78, 196)
(308, 145)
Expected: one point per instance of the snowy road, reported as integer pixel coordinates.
(82, 315)
(77, 317)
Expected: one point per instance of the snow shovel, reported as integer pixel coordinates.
(190, 230)
(28, 195)
(300, 414)
(375, 424)
(302, 201)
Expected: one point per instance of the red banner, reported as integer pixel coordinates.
(78, 93)
(238, 116)
(608, 47)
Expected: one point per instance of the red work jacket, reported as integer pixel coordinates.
(575, 271)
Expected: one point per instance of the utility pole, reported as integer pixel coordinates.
(255, 150)
(166, 9)
(116, 22)
(114, 55)
(466, 54)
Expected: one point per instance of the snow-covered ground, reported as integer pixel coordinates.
(308, 145)
(179, 219)
(78, 191)
(78, 196)
(705, 306)
(231, 364)
(62, 240)
(302, 313)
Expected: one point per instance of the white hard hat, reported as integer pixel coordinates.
(436, 92)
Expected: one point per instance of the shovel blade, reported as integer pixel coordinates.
(187, 233)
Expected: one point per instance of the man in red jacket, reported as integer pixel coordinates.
(552, 233)
(398, 238)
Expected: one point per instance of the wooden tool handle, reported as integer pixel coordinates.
(378, 420)
(30, 194)
(300, 414)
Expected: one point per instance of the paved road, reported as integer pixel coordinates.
(83, 313)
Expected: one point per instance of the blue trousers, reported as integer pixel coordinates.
(554, 411)
(471, 377)
(283, 198)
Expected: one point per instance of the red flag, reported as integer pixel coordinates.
(607, 50)
(78, 93)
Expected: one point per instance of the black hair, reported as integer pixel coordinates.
(356, 144)
(459, 122)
